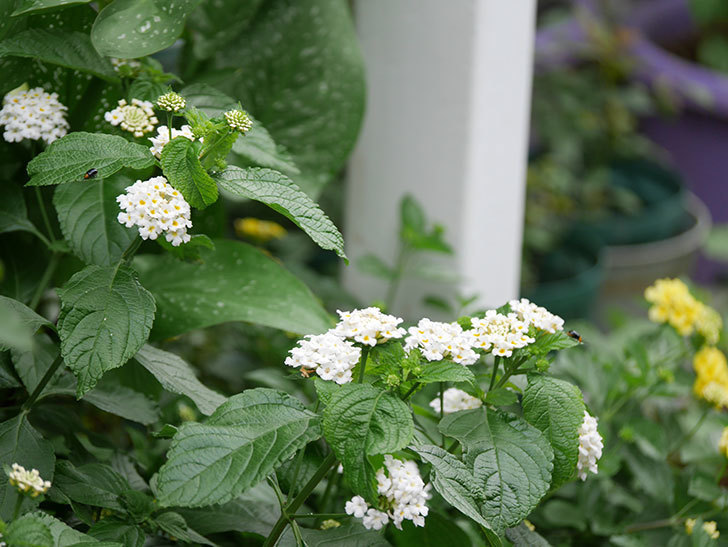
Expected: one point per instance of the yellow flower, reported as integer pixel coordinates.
(709, 324)
(672, 303)
(711, 381)
(689, 525)
(711, 528)
(723, 443)
(262, 230)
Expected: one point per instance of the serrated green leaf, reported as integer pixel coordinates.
(174, 524)
(14, 214)
(257, 148)
(445, 371)
(94, 484)
(244, 440)
(189, 251)
(183, 170)
(68, 158)
(28, 531)
(511, 462)
(235, 282)
(20, 443)
(280, 193)
(64, 535)
(547, 342)
(112, 529)
(556, 408)
(361, 420)
(146, 89)
(123, 401)
(18, 323)
(522, 536)
(58, 47)
(350, 534)
(501, 397)
(134, 28)
(177, 376)
(87, 214)
(106, 316)
(30, 6)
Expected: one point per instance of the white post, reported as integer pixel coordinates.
(447, 121)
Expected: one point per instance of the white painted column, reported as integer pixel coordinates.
(449, 86)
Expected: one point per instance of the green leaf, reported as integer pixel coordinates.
(64, 535)
(18, 323)
(112, 529)
(522, 536)
(32, 364)
(280, 193)
(556, 408)
(94, 484)
(29, 6)
(28, 531)
(511, 462)
(217, 24)
(547, 342)
(177, 376)
(134, 28)
(146, 89)
(105, 318)
(14, 214)
(439, 530)
(190, 251)
(454, 482)
(244, 440)
(375, 266)
(445, 371)
(350, 534)
(359, 421)
(68, 158)
(58, 47)
(236, 282)
(501, 397)
(87, 214)
(174, 524)
(182, 167)
(123, 401)
(209, 100)
(257, 147)
(313, 103)
(20, 443)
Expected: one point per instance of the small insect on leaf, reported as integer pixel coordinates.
(575, 335)
(91, 173)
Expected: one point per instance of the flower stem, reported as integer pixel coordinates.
(43, 382)
(442, 411)
(363, 363)
(689, 435)
(496, 365)
(282, 521)
(410, 391)
(44, 213)
(18, 504)
(131, 249)
(44, 280)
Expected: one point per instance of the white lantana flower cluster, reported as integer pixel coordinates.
(33, 114)
(329, 355)
(137, 118)
(438, 341)
(239, 120)
(368, 326)
(590, 447)
(455, 400)
(171, 102)
(402, 491)
(28, 481)
(539, 317)
(155, 207)
(499, 333)
(162, 138)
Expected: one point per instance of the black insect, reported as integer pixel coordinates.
(575, 335)
(91, 173)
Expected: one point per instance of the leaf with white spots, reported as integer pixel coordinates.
(134, 28)
(32, 6)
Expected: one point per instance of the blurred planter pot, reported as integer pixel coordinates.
(571, 278)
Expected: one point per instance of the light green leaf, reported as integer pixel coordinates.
(29, 6)
(511, 462)
(556, 408)
(28, 531)
(445, 371)
(106, 316)
(64, 535)
(183, 170)
(14, 214)
(134, 28)
(361, 420)
(236, 282)
(87, 214)
(94, 484)
(178, 376)
(280, 193)
(310, 103)
(454, 482)
(20, 443)
(244, 440)
(58, 47)
(18, 323)
(69, 158)
(209, 100)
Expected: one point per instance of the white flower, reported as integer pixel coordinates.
(499, 333)
(33, 114)
(438, 341)
(162, 138)
(368, 326)
(590, 447)
(402, 493)
(28, 482)
(539, 317)
(155, 207)
(454, 400)
(332, 357)
(239, 120)
(137, 118)
(171, 102)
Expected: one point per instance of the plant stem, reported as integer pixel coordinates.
(131, 249)
(297, 534)
(689, 435)
(319, 516)
(18, 504)
(363, 363)
(442, 412)
(282, 521)
(169, 125)
(410, 391)
(649, 525)
(44, 280)
(42, 384)
(496, 365)
(44, 213)
(297, 469)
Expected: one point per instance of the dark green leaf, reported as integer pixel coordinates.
(218, 24)
(439, 530)
(280, 193)
(68, 158)
(93, 484)
(64, 535)
(523, 536)
(181, 166)
(106, 316)
(236, 282)
(190, 251)
(111, 529)
(501, 397)
(174, 524)
(244, 440)
(18, 323)
(351, 534)
(14, 214)
(29, 6)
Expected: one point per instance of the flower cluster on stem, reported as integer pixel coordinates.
(162, 137)
(137, 118)
(28, 481)
(171, 102)
(455, 400)
(33, 114)
(590, 447)
(438, 341)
